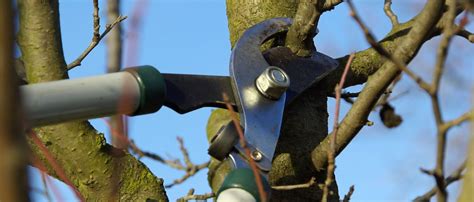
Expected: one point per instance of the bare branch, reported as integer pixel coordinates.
(467, 35)
(357, 116)
(300, 35)
(176, 164)
(191, 196)
(448, 32)
(45, 186)
(347, 197)
(96, 19)
(345, 94)
(465, 117)
(387, 8)
(332, 151)
(305, 23)
(94, 42)
(190, 171)
(308, 184)
(189, 167)
(377, 47)
(455, 176)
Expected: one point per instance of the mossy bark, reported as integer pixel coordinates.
(305, 121)
(468, 179)
(95, 168)
(292, 161)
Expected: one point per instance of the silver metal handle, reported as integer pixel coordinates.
(139, 90)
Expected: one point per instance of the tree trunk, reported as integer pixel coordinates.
(468, 179)
(13, 148)
(292, 161)
(87, 160)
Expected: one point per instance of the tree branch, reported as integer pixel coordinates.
(387, 8)
(347, 197)
(192, 196)
(332, 151)
(367, 61)
(377, 83)
(82, 152)
(308, 184)
(190, 168)
(455, 176)
(95, 41)
(305, 24)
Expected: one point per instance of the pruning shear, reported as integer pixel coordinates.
(257, 90)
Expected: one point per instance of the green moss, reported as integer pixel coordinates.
(305, 122)
(87, 160)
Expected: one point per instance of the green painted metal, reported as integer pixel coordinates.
(152, 88)
(243, 178)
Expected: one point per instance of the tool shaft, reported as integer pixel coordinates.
(80, 99)
(135, 91)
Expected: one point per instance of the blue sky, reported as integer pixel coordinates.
(191, 37)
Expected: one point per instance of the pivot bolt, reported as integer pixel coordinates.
(256, 155)
(273, 82)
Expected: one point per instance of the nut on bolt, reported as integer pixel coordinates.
(273, 82)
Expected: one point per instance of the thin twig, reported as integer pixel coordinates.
(332, 150)
(387, 8)
(347, 197)
(190, 171)
(455, 176)
(96, 20)
(345, 95)
(377, 47)
(192, 196)
(176, 164)
(448, 32)
(449, 124)
(308, 184)
(184, 151)
(253, 166)
(384, 99)
(38, 164)
(190, 168)
(94, 42)
(45, 186)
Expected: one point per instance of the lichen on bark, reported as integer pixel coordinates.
(292, 162)
(81, 151)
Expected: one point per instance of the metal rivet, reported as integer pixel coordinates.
(256, 155)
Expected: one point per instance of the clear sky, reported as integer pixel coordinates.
(191, 36)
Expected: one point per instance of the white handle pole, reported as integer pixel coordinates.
(80, 99)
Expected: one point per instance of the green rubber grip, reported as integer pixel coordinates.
(243, 178)
(152, 89)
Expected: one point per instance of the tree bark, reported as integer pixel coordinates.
(85, 157)
(13, 147)
(468, 178)
(305, 121)
(292, 161)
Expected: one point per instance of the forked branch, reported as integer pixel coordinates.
(96, 37)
